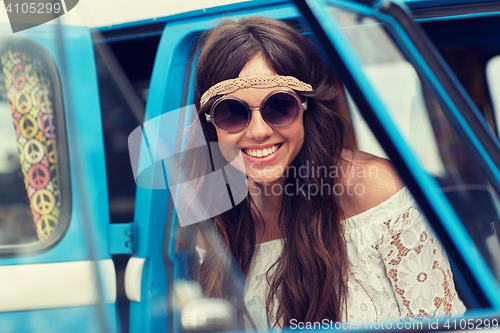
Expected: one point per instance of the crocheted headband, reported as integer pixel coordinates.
(231, 85)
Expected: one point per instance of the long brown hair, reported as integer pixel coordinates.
(310, 277)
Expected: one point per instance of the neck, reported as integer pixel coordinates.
(267, 198)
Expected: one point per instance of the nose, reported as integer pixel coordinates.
(258, 129)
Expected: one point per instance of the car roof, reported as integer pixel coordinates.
(119, 14)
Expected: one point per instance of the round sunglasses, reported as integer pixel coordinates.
(279, 108)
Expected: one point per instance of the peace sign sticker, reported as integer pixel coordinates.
(23, 101)
(48, 126)
(54, 175)
(33, 151)
(51, 151)
(43, 81)
(15, 57)
(57, 196)
(28, 126)
(55, 212)
(38, 176)
(18, 77)
(6, 62)
(45, 102)
(45, 225)
(35, 97)
(31, 74)
(8, 77)
(43, 202)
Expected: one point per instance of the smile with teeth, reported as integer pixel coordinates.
(262, 153)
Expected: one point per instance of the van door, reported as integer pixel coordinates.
(56, 273)
(160, 258)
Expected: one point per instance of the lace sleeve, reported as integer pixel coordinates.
(418, 267)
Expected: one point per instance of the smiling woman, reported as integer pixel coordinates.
(325, 232)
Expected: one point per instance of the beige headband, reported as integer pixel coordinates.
(231, 85)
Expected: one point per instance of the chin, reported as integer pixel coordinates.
(263, 180)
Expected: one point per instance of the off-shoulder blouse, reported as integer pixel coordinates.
(398, 267)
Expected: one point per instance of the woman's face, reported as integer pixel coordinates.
(259, 135)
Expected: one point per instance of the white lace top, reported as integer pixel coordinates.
(398, 267)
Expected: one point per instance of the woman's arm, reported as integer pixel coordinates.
(418, 267)
(415, 261)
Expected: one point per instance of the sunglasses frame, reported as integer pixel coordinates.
(210, 117)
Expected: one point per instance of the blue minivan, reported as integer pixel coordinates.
(89, 242)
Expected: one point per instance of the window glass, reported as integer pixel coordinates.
(427, 130)
(31, 135)
(123, 79)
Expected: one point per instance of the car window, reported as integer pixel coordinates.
(34, 197)
(469, 39)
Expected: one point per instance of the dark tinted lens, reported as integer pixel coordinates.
(230, 115)
(280, 109)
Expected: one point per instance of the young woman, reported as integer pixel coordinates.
(325, 232)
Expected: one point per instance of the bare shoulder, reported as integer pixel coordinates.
(372, 179)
